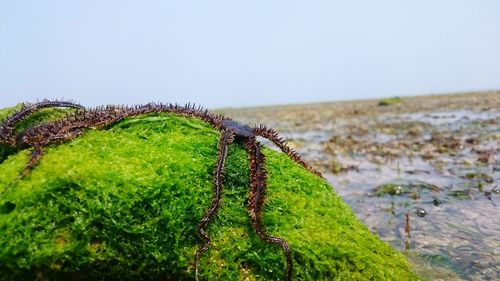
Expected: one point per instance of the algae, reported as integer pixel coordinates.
(389, 101)
(123, 203)
(405, 188)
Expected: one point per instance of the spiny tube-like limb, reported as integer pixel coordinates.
(36, 155)
(256, 199)
(71, 127)
(191, 110)
(105, 116)
(29, 109)
(226, 138)
(273, 136)
(44, 138)
(8, 126)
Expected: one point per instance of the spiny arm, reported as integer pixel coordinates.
(256, 198)
(8, 126)
(273, 136)
(226, 138)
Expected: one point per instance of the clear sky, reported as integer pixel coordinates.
(243, 53)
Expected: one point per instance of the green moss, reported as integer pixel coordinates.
(480, 177)
(404, 188)
(460, 194)
(389, 101)
(123, 203)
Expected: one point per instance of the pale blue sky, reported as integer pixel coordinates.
(243, 53)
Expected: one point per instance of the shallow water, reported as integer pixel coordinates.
(424, 181)
(461, 226)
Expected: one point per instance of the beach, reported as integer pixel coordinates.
(421, 172)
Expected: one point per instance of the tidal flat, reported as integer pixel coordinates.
(421, 172)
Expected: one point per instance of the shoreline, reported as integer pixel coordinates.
(438, 96)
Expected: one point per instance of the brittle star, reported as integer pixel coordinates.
(63, 130)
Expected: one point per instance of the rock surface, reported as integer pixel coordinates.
(123, 203)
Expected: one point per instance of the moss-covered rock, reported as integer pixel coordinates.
(389, 101)
(123, 203)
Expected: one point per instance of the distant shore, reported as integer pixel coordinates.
(486, 99)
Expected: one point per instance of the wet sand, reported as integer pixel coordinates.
(421, 172)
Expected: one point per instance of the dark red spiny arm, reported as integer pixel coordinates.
(225, 140)
(8, 126)
(273, 136)
(256, 197)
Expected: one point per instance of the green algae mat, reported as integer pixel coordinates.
(123, 203)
